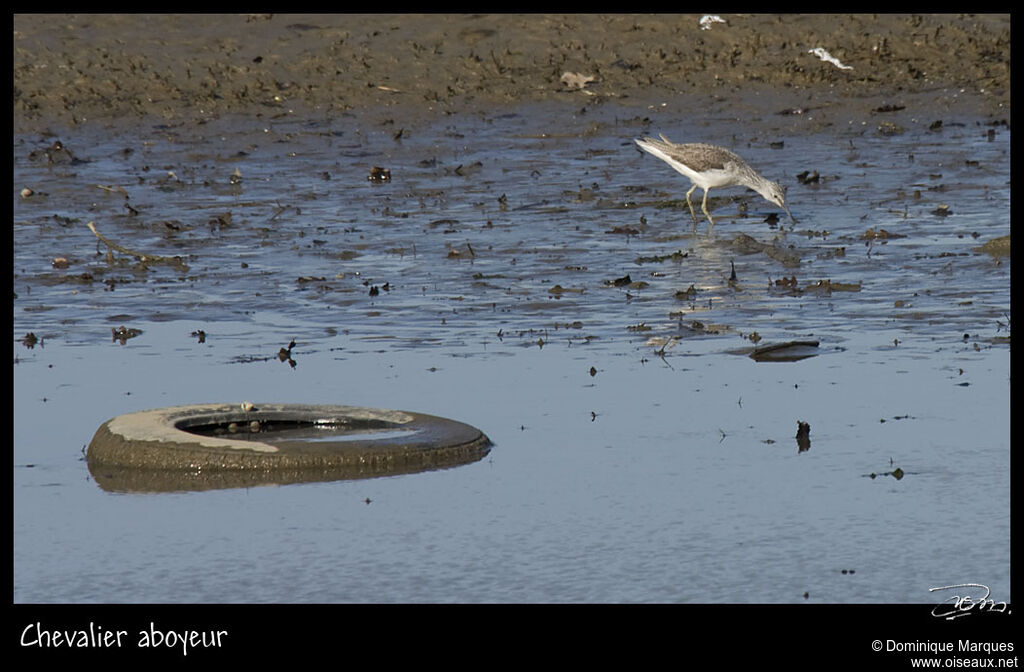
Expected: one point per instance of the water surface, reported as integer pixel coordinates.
(640, 455)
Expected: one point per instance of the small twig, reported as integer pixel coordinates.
(145, 258)
(118, 190)
(280, 209)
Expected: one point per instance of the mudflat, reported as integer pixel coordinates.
(75, 69)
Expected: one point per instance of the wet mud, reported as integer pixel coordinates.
(116, 69)
(379, 153)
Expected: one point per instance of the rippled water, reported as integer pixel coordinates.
(640, 455)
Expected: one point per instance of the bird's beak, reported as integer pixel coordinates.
(786, 208)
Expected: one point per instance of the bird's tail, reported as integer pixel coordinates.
(663, 144)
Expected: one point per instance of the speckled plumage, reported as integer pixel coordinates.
(710, 166)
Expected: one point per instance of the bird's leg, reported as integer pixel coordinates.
(692, 213)
(704, 207)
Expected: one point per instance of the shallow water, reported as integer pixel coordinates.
(640, 455)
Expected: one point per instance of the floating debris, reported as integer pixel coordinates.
(696, 328)
(678, 255)
(896, 473)
(662, 343)
(626, 281)
(55, 153)
(144, 258)
(558, 290)
(619, 282)
(463, 170)
(882, 234)
(790, 351)
(122, 334)
(220, 220)
(170, 182)
(378, 174)
(285, 354)
(116, 190)
(809, 177)
(803, 436)
(688, 295)
(826, 287)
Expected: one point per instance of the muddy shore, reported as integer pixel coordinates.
(113, 69)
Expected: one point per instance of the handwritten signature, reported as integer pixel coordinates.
(964, 605)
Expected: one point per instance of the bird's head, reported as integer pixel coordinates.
(776, 193)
